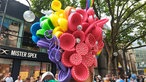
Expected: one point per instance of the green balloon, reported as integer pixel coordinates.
(40, 33)
(50, 23)
(46, 25)
(43, 18)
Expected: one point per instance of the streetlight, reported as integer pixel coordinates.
(28, 15)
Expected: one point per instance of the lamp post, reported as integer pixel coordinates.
(28, 15)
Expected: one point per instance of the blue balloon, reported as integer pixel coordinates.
(34, 28)
(35, 38)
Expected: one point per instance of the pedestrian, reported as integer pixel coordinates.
(121, 78)
(27, 79)
(48, 77)
(7, 78)
(106, 78)
(141, 78)
(32, 79)
(19, 79)
(38, 79)
(97, 78)
(56, 76)
(133, 78)
(114, 78)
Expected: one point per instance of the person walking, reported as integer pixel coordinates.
(7, 78)
(97, 78)
(19, 79)
(120, 79)
(38, 79)
(48, 77)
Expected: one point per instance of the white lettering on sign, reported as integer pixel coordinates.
(23, 54)
(32, 55)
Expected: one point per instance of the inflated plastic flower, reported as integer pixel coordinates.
(73, 38)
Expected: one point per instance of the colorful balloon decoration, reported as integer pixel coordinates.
(73, 38)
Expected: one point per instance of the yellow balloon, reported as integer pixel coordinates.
(56, 5)
(56, 29)
(54, 19)
(58, 33)
(60, 13)
(63, 23)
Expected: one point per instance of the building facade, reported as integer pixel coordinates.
(141, 60)
(18, 53)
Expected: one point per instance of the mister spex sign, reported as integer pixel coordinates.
(17, 53)
(23, 54)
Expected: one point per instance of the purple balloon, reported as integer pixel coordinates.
(64, 76)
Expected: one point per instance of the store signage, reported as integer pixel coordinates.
(4, 51)
(23, 54)
(18, 53)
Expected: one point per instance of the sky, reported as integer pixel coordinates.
(24, 2)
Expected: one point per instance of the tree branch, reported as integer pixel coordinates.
(110, 10)
(123, 8)
(135, 40)
(131, 26)
(131, 13)
(97, 9)
(127, 9)
(119, 15)
(118, 9)
(136, 47)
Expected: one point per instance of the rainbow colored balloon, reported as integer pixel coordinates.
(73, 38)
(89, 3)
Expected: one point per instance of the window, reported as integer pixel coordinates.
(5, 67)
(45, 67)
(33, 69)
(27, 42)
(10, 31)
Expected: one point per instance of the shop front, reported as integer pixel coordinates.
(24, 63)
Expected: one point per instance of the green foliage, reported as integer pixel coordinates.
(130, 24)
(38, 5)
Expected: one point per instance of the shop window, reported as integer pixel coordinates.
(45, 67)
(27, 42)
(9, 33)
(32, 69)
(5, 67)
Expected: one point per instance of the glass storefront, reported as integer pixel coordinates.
(15, 37)
(5, 66)
(33, 69)
(10, 34)
(10, 31)
(27, 42)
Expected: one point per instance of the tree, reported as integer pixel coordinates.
(127, 22)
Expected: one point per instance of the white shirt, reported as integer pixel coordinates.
(9, 79)
(18, 81)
